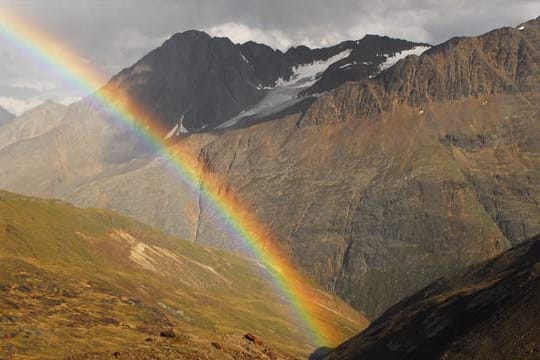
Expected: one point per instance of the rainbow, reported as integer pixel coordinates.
(257, 239)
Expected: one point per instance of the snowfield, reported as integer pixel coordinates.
(391, 60)
(284, 93)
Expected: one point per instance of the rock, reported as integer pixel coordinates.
(169, 333)
(217, 345)
(24, 288)
(254, 339)
(8, 319)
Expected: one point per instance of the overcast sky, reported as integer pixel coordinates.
(112, 34)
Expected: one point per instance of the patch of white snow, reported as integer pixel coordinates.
(182, 129)
(244, 58)
(284, 93)
(521, 28)
(305, 75)
(172, 132)
(391, 60)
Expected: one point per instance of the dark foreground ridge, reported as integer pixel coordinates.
(490, 311)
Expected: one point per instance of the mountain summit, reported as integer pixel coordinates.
(5, 116)
(195, 82)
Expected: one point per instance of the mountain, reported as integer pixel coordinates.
(196, 82)
(430, 166)
(5, 116)
(87, 284)
(375, 188)
(32, 123)
(489, 311)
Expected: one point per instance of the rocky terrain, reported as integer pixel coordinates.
(375, 188)
(91, 284)
(489, 311)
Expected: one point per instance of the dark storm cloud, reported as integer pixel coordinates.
(113, 34)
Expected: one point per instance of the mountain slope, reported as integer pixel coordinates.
(87, 283)
(32, 123)
(5, 116)
(490, 311)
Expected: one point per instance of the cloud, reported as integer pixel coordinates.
(240, 33)
(69, 100)
(38, 85)
(18, 106)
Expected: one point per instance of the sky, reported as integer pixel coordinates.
(113, 34)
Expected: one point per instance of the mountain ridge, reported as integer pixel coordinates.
(490, 73)
(5, 116)
(215, 80)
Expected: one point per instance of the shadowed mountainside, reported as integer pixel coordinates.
(490, 311)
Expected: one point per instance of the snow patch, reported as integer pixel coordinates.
(182, 129)
(391, 60)
(305, 75)
(346, 66)
(177, 129)
(172, 132)
(284, 93)
(521, 28)
(244, 58)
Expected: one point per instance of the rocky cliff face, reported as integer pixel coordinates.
(467, 316)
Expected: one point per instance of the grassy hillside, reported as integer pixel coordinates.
(89, 283)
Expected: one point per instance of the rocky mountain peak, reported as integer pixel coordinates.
(195, 82)
(5, 116)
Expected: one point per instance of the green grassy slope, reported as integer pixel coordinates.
(78, 281)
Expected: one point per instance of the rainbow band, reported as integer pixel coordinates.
(295, 287)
